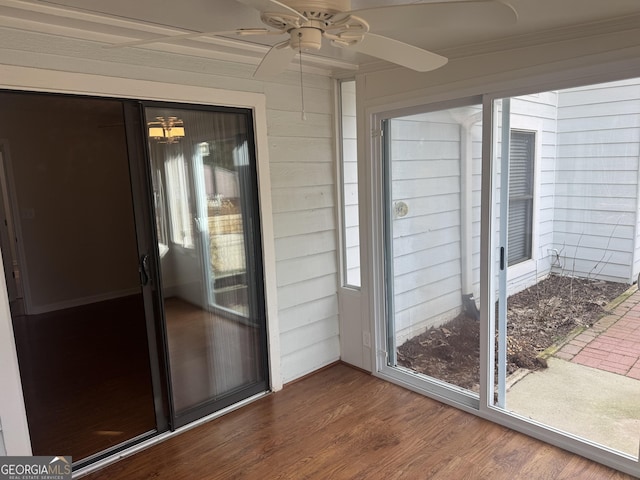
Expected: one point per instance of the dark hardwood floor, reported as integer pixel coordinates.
(344, 424)
(86, 376)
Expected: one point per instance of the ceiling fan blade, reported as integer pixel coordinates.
(273, 6)
(275, 61)
(438, 14)
(399, 53)
(186, 36)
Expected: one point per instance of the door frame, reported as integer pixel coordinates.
(379, 188)
(15, 429)
(141, 193)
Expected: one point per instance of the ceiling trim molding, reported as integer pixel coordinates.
(53, 20)
(40, 17)
(544, 37)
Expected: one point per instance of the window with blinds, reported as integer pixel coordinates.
(520, 222)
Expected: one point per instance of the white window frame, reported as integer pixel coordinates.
(342, 206)
(529, 124)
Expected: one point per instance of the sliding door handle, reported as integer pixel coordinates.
(143, 269)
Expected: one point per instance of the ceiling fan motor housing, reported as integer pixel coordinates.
(306, 38)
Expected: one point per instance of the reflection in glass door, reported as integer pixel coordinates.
(433, 169)
(205, 196)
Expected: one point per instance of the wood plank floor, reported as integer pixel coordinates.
(210, 355)
(86, 376)
(344, 424)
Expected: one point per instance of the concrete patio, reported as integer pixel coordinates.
(592, 385)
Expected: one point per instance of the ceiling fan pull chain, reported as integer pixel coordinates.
(304, 115)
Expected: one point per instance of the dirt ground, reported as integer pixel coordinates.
(537, 318)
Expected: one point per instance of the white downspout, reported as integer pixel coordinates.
(466, 204)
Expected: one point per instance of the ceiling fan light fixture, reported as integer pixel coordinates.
(166, 130)
(156, 133)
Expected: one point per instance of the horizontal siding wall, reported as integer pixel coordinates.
(586, 200)
(425, 175)
(301, 163)
(428, 248)
(597, 181)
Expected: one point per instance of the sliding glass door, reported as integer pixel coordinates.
(567, 325)
(509, 249)
(205, 197)
(131, 248)
(71, 246)
(432, 190)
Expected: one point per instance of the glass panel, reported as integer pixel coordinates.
(433, 169)
(79, 318)
(204, 181)
(521, 181)
(350, 215)
(569, 332)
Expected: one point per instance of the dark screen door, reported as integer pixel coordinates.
(206, 208)
(78, 306)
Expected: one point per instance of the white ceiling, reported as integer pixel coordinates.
(114, 21)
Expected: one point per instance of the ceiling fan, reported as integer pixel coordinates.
(307, 23)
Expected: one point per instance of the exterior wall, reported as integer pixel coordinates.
(585, 199)
(428, 243)
(522, 68)
(301, 163)
(427, 154)
(537, 113)
(585, 215)
(596, 203)
(425, 173)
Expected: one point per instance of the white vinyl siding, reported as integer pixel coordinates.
(596, 202)
(585, 202)
(427, 156)
(573, 167)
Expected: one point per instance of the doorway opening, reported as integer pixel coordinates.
(86, 244)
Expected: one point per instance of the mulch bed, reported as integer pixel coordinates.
(537, 318)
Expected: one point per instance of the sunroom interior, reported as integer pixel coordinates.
(328, 213)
